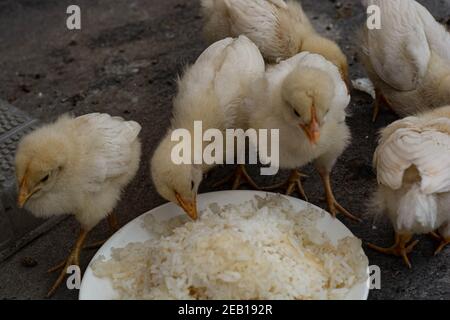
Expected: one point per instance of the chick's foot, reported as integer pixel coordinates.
(333, 206)
(238, 178)
(72, 259)
(443, 242)
(294, 183)
(401, 248)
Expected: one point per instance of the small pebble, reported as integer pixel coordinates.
(25, 88)
(29, 262)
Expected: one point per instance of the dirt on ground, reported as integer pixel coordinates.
(125, 61)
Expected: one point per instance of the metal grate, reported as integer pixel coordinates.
(17, 227)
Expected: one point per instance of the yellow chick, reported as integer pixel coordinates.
(280, 29)
(304, 98)
(412, 163)
(210, 91)
(407, 59)
(77, 166)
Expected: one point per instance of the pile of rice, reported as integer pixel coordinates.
(262, 249)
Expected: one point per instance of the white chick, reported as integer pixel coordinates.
(77, 166)
(210, 91)
(280, 29)
(408, 59)
(413, 170)
(306, 99)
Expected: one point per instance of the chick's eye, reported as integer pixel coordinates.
(44, 179)
(296, 113)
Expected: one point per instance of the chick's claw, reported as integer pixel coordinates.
(294, 183)
(73, 259)
(296, 186)
(335, 208)
(95, 245)
(239, 177)
(401, 248)
(57, 267)
(443, 242)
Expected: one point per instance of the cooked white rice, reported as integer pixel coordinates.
(262, 249)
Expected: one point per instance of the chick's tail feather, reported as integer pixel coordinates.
(417, 209)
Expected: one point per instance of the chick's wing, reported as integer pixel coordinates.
(110, 152)
(425, 146)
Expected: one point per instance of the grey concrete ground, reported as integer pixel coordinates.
(125, 61)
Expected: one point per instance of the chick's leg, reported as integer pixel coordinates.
(113, 223)
(400, 248)
(333, 205)
(113, 227)
(379, 100)
(239, 177)
(73, 259)
(376, 105)
(294, 183)
(444, 241)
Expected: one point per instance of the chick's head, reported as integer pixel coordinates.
(330, 51)
(40, 158)
(307, 95)
(177, 183)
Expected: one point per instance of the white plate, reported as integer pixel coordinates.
(93, 288)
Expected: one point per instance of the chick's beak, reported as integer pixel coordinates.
(190, 207)
(24, 193)
(312, 130)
